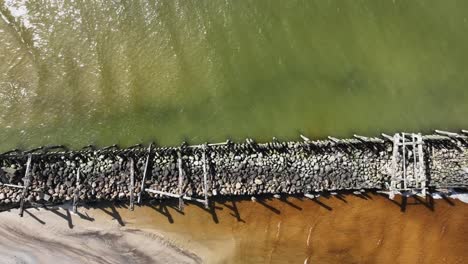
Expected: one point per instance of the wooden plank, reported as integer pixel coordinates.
(449, 134)
(76, 192)
(368, 139)
(27, 181)
(174, 195)
(132, 183)
(145, 172)
(11, 185)
(181, 181)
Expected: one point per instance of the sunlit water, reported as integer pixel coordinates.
(104, 72)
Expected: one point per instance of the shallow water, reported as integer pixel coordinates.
(345, 229)
(104, 72)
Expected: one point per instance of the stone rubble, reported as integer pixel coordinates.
(233, 169)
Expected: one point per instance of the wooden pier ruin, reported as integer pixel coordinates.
(405, 163)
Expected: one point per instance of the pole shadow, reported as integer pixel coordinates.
(162, 209)
(113, 213)
(35, 217)
(235, 211)
(274, 210)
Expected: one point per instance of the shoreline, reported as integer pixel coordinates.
(346, 229)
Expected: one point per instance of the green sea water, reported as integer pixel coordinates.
(126, 72)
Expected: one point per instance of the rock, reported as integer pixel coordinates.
(258, 181)
(238, 185)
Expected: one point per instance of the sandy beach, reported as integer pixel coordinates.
(58, 236)
(340, 229)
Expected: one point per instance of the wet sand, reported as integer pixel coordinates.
(346, 229)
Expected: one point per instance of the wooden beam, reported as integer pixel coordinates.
(145, 172)
(174, 195)
(132, 183)
(76, 192)
(205, 177)
(11, 185)
(181, 181)
(387, 137)
(27, 181)
(404, 161)
(422, 167)
(368, 139)
(449, 134)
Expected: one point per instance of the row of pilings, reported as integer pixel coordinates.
(54, 175)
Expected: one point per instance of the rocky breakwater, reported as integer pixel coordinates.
(447, 163)
(229, 169)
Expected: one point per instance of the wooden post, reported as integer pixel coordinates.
(422, 172)
(142, 185)
(205, 176)
(404, 162)
(181, 181)
(27, 181)
(132, 182)
(415, 167)
(394, 172)
(76, 193)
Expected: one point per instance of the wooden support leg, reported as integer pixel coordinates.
(27, 180)
(145, 172)
(132, 182)
(77, 192)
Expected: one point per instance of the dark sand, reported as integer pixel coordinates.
(348, 229)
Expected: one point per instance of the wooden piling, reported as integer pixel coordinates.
(132, 183)
(76, 192)
(27, 181)
(404, 161)
(205, 177)
(422, 171)
(181, 181)
(145, 172)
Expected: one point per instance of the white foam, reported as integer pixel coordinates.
(460, 196)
